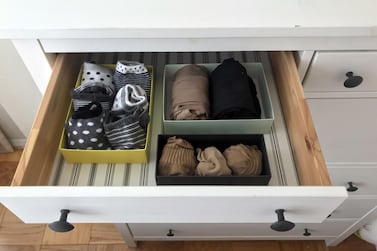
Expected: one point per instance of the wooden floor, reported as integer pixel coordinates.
(17, 236)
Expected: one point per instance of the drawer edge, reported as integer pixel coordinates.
(310, 163)
(42, 142)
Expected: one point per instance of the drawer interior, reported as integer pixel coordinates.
(42, 164)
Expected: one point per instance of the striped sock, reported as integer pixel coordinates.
(125, 133)
(131, 72)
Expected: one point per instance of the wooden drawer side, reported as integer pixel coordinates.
(310, 163)
(40, 149)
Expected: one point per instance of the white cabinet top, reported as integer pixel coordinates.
(187, 19)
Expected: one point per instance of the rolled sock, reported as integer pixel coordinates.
(233, 93)
(177, 158)
(125, 132)
(95, 86)
(130, 100)
(126, 125)
(244, 159)
(131, 72)
(211, 162)
(97, 74)
(190, 100)
(84, 129)
(92, 92)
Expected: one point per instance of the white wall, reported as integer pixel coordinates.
(19, 96)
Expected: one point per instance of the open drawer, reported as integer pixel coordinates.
(38, 194)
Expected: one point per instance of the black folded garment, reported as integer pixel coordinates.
(233, 94)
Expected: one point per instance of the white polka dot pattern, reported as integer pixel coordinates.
(96, 73)
(125, 67)
(86, 134)
(134, 73)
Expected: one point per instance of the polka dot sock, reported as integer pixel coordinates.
(96, 86)
(131, 72)
(97, 74)
(84, 129)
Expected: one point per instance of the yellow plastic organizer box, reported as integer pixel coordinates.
(109, 156)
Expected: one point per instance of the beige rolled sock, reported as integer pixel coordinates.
(244, 160)
(177, 158)
(211, 162)
(190, 100)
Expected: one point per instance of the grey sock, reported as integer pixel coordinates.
(131, 72)
(84, 129)
(96, 86)
(125, 132)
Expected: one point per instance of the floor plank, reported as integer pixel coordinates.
(14, 231)
(112, 247)
(7, 169)
(19, 248)
(64, 248)
(105, 233)
(13, 156)
(354, 243)
(79, 235)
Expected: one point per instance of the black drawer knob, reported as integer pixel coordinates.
(306, 232)
(170, 233)
(282, 225)
(62, 225)
(352, 81)
(351, 187)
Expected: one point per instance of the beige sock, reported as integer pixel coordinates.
(190, 100)
(211, 163)
(177, 159)
(244, 160)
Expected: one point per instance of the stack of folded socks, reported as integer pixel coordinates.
(124, 101)
(190, 93)
(178, 158)
(233, 93)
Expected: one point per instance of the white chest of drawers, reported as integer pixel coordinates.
(288, 25)
(345, 122)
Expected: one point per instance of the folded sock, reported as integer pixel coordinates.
(130, 100)
(84, 129)
(92, 92)
(125, 132)
(96, 73)
(211, 162)
(233, 93)
(244, 159)
(177, 158)
(95, 86)
(131, 72)
(190, 100)
(127, 122)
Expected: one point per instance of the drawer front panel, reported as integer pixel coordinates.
(239, 231)
(362, 177)
(328, 70)
(354, 208)
(346, 129)
(201, 204)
